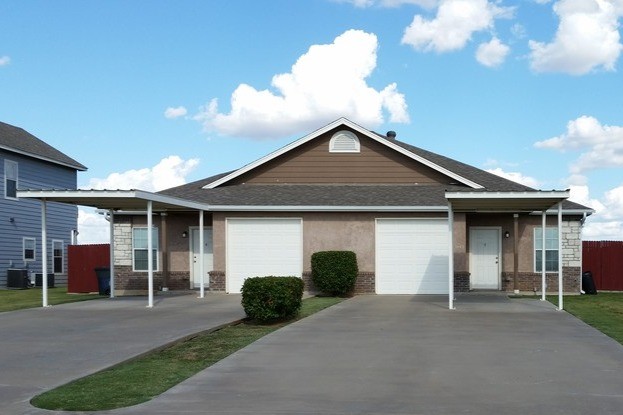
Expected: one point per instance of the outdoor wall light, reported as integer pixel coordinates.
(507, 234)
(184, 234)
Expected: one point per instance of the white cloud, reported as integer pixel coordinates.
(492, 53)
(4, 60)
(169, 172)
(327, 82)
(607, 222)
(516, 177)
(175, 112)
(453, 26)
(587, 38)
(604, 144)
(93, 228)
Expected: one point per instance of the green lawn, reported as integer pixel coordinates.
(603, 311)
(18, 299)
(140, 380)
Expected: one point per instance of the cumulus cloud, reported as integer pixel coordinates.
(175, 112)
(604, 144)
(453, 26)
(492, 53)
(93, 228)
(515, 176)
(587, 38)
(169, 172)
(4, 60)
(327, 82)
(607, 222)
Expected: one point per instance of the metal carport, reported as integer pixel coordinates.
(138, 201)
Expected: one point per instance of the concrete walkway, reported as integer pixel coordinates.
(44, 348)
(411, 355)
(367, 355)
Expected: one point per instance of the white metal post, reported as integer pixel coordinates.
(560, 305)
(201, 253)
(450, 257)
(44, 253)
(112, 253)
(543, 276)
(150, 259)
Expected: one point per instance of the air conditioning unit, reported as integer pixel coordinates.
(17, 278)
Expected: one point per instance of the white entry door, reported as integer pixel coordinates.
(484, 259)
(208, 257)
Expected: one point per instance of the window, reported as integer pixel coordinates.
(10, 179)
(57, 256)
(551, 249)
(139, 248)
(29, 245)
(344, 142)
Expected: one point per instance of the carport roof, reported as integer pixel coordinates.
(114, 199)
(505, 201)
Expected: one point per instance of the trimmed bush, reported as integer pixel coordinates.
(272, 298)
(334, 272)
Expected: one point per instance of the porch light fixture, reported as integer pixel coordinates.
(507, 234)
(184, 234)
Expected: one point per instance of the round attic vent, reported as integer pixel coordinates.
(344, 142)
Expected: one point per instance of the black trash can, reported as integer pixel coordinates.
(588, 285)
(103, 280)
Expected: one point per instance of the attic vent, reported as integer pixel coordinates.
(344, 142)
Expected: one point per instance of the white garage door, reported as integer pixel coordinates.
(412, 256)
(262, 247)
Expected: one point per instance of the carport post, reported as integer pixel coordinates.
(543, 279)
(560, 305)
(150, 258)
(201, 264)
(44, 254)
(450, 257)
(112, 253)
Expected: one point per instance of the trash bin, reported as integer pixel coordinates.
(588, 285)
(103, 280)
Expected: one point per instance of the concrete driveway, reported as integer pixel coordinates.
(411, 355)
(44, 348)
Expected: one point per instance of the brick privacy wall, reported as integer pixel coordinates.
(461, 282)
(529, 281)
(126, 279)
(217, 281)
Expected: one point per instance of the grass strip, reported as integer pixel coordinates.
(142, 379)
(603, 311)
(11, 300)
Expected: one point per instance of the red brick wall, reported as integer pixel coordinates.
(531, 281)
(128, 280)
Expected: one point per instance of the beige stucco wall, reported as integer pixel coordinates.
(322, 231)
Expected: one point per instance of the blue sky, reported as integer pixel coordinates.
(155, 94)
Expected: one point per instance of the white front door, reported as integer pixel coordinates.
(195, 277)
(484, 259)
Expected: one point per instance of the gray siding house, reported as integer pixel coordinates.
(26, 162)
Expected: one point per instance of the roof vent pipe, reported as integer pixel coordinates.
(391, 135)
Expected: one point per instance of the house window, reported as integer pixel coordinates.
(344, 142)
(29, 245)
(58, 256)
(551, 249)
(139, 248)
(10, 179)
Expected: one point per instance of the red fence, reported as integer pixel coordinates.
(81, 263)
(605, 260)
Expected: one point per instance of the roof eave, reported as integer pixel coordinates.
(78, 166)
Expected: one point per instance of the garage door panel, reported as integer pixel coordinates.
(411, 256)
(262, 247)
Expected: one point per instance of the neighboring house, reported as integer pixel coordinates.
(29, 163)
(343, 187)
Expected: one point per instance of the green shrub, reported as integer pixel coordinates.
(272, 298)
(334, 272)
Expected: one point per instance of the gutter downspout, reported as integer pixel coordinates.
(516, 253)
